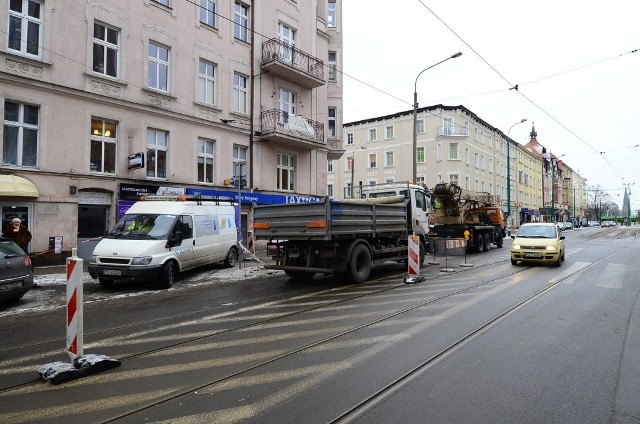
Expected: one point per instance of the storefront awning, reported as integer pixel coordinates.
(11, 185)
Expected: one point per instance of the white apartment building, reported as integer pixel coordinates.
(453, 145)
(103, 101)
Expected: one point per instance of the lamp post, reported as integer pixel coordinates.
(509, 217)
(415, 113)
(551, 160)
(628, 191)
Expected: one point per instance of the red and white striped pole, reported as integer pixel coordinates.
(74, 306)
(413, 261)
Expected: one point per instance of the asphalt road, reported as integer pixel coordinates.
(492, 343)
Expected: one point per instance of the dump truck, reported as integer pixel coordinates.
(346, 237)
(463, 214)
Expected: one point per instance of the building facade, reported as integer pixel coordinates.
(453, 145)
(106, 100)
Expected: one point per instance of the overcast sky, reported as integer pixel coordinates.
(578, 80)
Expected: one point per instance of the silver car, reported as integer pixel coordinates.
(16, 275)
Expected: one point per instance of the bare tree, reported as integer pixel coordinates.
(598, 203)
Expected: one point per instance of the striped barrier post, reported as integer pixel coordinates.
(74, 306)
(413, 262)
(81, 365)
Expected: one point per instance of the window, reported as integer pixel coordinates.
(207, 82)
(20, 140)
(465, 130)
(388, 132)
(205, 160)
(103, 146)
(388, 159)
(329, 165)
(240, 21)
(420, 155)
(350, 138)
(347, 190)
(331, 14)
(330, 190)
(25, 26)
(105, 50)
(157, 146)
(286, 36)
(208, 12)
(240, 165)
(453, 151)
(286, 105)
(158, 67)
(476, 160)
(420, 126)
(454, 179)
(164, 2)
(286, 172)
(439, 152)
(447, 126)
(332, 123)
(373, 135)
(332, 65)
(349, 163)
(373, 160)
(240, 93)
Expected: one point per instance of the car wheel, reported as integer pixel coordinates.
(167, 275)
(559, 261)
(514, 262)
(232, 257)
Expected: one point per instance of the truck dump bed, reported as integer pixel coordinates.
(329, 220)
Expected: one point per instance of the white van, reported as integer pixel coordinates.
(160, 236)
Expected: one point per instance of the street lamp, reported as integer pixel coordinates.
(628, 191)
(552, 162)
(509, 217)
(415, 113)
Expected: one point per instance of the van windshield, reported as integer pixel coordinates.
(143, 226)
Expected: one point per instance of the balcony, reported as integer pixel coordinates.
(453, 131)
(336, 149)
(292, 64)
(297, 131)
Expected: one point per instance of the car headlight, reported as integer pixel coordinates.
(551, 248)
(515, 247)
(142, 260)
(92, 259)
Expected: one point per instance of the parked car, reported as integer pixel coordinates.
(568, 225)
(16, 275)
(539, 243)
(608, 224)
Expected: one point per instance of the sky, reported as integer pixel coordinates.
(574, 63)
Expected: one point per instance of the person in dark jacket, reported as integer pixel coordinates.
(19, 233)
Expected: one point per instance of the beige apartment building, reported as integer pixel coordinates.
(453, 145)
(104, 101)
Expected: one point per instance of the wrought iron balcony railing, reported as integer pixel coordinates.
(454, 130)
(278, 51)
(280, 122)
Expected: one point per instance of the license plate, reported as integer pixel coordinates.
(11, 285)
(533, 255)
(111, 272)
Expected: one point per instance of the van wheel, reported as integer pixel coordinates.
(167, 275)
(105, 282)
(359, 266)
(232, 258)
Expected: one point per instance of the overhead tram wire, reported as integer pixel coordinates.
(512, 86)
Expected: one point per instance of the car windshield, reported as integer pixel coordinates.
(143, 226)
(537, 231)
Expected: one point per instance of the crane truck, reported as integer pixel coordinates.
(346, 237)
(474, 216)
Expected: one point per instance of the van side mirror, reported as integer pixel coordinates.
(175, 239)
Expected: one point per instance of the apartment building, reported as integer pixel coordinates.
(104, 101)
(453, 145)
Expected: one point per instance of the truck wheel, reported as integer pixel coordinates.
(480, 243)
(423, 253)
(499, 241)
(360, 264)
(105, 282)
(232, 258)
(167, 275)
(487, 242)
